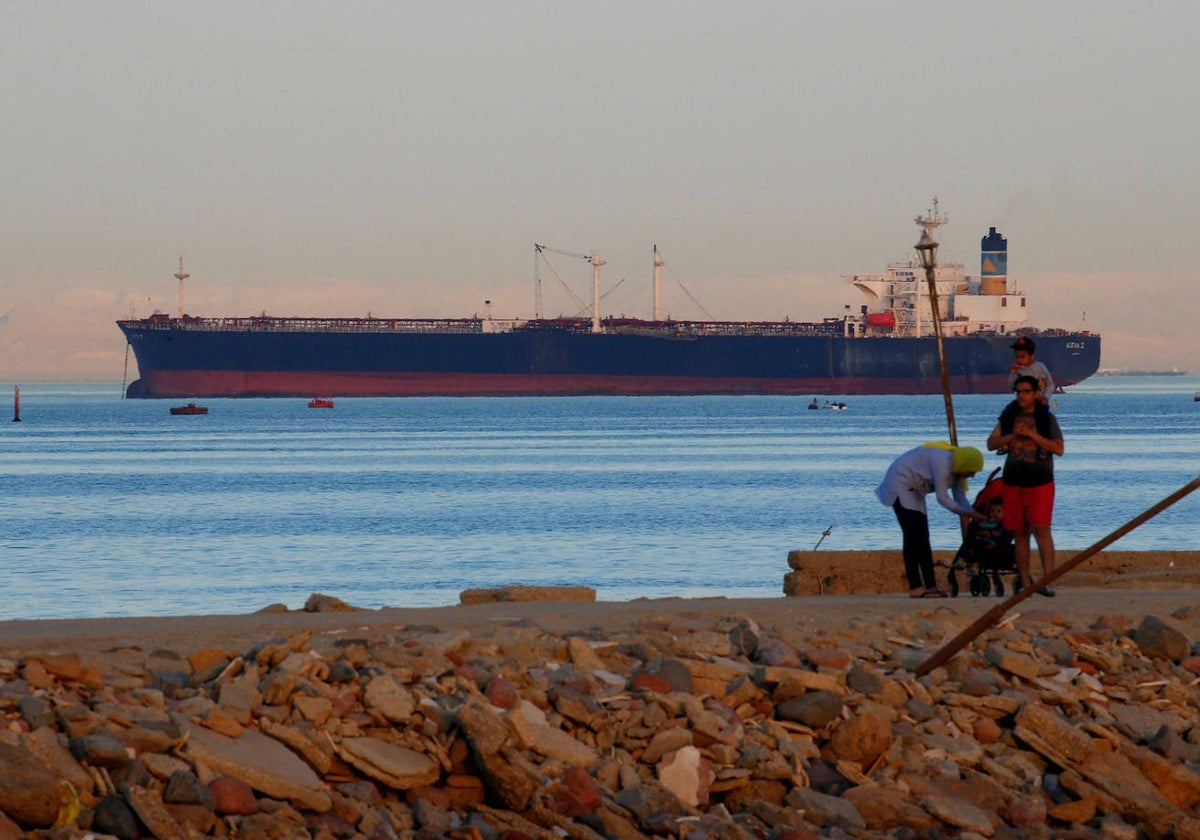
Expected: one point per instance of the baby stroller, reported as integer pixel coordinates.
(987, 550)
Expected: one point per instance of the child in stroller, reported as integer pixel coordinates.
(987, 550)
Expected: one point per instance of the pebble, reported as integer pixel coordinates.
(690, 728)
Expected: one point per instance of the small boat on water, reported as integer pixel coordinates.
(1197, 397)
(190, 408)
(320, 402)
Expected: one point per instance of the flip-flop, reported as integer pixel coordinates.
(931, 593)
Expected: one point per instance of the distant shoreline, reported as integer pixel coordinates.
(1116, 372)
(38, 382)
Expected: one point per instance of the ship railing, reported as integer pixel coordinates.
(757, 328)
(634, 326)
(267, 323)
(324, 325)
(1061, 332)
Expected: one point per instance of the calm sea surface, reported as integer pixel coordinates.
(113, 507)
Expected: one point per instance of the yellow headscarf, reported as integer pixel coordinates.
(965, 459)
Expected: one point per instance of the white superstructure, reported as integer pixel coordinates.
(898, 300)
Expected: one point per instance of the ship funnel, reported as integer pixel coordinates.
(993, 264)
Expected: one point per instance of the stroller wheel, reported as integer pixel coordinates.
(952, 579)
(974, 583)
(999, 585)
(985, 585)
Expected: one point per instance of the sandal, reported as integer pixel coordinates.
(930, 593)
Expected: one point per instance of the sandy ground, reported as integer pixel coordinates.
(1121, 583)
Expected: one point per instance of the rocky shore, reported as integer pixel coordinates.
(775, 718)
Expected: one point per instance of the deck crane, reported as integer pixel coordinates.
(592, 258)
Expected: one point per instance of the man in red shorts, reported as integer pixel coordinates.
(1031, 440)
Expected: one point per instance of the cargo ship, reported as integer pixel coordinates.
(885, 346)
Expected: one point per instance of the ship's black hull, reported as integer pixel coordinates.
(185, 361)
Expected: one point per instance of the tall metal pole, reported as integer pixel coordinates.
(596, 262)
(658, 264)
(180, 276)
(927, 248)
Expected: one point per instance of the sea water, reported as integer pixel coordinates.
(114, 507)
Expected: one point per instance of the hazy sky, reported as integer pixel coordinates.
(401, 158)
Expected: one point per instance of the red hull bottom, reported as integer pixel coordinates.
(194, 383)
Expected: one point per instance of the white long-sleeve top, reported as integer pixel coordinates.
(1039, 372)
(916, 473)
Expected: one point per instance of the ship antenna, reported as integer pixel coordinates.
(180, 276)
(932, 219)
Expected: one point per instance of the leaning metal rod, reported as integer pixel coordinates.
(824, 534)
(941, 350)
(991, 616)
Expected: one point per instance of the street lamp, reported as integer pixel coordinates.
(927, 249)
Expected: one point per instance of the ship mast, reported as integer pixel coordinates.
(658, 264)
(927, 250)
(596, 262)
(932, 220)
(180, 276)
(929, 223)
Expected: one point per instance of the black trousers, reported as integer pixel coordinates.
(918, 553)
